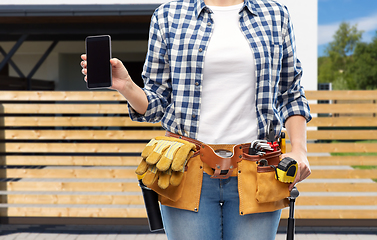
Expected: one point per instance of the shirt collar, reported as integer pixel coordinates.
(250, 5)
(199, 6)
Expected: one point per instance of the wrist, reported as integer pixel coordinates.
(299, 152)
(126, 86)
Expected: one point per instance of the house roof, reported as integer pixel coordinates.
(75, 22)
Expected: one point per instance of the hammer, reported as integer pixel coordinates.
(291, 219)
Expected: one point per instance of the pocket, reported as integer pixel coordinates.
(268, 188)
(187, 194)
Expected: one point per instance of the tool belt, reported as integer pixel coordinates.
(224, 166)
(258, 189)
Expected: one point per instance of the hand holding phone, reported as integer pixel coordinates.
(101, 76)
(98, 55)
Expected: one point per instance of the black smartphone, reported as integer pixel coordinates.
(98, 55)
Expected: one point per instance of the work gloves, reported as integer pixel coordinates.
(165, 158)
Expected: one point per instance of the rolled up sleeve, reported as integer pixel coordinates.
(156, 76)
(291, 96)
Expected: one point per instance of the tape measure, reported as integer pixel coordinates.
(286, 170)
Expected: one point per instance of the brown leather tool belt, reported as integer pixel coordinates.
(224, 166)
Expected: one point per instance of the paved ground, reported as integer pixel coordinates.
(61, 232)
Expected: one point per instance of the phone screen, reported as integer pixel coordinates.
(98, 55)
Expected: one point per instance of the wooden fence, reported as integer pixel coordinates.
(73, 155)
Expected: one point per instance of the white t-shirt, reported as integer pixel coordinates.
(227, 110)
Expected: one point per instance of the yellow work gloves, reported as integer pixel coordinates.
(165, 158)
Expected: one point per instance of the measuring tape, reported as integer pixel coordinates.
(286, 170)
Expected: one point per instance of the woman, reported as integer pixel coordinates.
(217, 72)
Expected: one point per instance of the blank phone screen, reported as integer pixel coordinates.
(98, 55)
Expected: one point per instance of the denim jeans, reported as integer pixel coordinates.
(218, 217)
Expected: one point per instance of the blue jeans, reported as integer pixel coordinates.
(218, 216)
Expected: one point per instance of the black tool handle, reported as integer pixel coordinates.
(291, 221)
(152, 207)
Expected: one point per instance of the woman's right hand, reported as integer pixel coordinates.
(120, 77)
(122, 82)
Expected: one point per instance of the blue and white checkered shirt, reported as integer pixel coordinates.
(180, 32)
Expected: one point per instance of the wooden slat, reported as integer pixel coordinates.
(75, 122)
(60, 96)
(342, 160)
(343, 108)
(340, 147)
(73, 212)
(138, 199)
(134, 161)
(73, 147)
(115, 96)
(126, 121)
(92, 173)
(74, 186)
(64, 108)
(149, 134)
(70, 160)
(336, 187)
(72, 199)
(138, 147)
(133, 186)
(341, 95)
(332, 214)
(140, 213)
(336, 200)
(82, 134)
(342, 134)
(130, 173)
(343, 122)
(342, 173)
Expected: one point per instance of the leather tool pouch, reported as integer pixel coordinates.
(268, 188)
(223, 166)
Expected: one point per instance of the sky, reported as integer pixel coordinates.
(332, 12)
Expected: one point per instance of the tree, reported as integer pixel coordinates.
(335, 67)
(345, 40)
(365, 65)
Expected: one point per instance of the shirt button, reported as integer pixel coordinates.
(200, 49)
(209, 24)
(193, 116)
(197, 83)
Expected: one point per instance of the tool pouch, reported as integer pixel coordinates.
(268, 188)
(164, 161)
(223, 166)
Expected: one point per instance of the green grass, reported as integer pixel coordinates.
(359, 154)
(364, 167)
(355, 154)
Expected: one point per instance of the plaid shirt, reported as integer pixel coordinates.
(180, 32)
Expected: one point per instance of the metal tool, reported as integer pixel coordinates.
(291, 220)
(270, 132)
(259, 147)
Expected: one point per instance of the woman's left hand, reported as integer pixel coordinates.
(303, 170)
